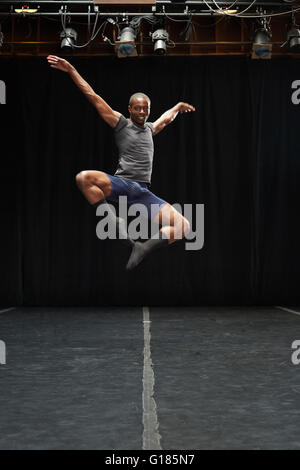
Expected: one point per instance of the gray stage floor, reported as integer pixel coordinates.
(83, 378)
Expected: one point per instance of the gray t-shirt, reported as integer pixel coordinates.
(135, 146)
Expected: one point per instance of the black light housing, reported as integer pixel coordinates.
(293, 38)
(160, 38)
(262, 48)
(69, 38)
(126, 47)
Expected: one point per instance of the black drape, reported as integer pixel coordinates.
(238, 154)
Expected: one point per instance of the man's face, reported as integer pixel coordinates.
(139, 111)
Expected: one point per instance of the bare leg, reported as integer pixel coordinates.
(94, 185)
(175, 227)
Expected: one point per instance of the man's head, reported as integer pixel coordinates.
(139, 108)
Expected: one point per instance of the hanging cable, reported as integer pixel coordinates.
(93, 36)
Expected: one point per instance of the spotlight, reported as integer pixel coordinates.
(224, 11)
(26, 10)
(69, 38)
(293, 39)
(126, 47)
(160, 38)
(1, 39)
(262, 48)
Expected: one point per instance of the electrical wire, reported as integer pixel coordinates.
(59, 20)
(136, 21)
(188, 30)
(227, 8)
(210, 8)
(89, 20)
(93, 36)
(170, 44)
(223, 10)
(241, 13)
(262, 15)
(266, 15)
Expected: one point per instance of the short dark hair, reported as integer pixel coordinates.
(138, 95)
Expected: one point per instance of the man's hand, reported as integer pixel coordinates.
(58, 63)
(185, 108)
(170, 115)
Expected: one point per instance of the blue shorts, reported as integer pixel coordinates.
(136, 193)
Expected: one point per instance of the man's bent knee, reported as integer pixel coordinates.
(85, 179)
(80, 179)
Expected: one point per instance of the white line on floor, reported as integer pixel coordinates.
(7, 309)
(288, 310)
(151, 436)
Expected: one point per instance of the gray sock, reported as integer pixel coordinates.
(120, 223)
(141, 250)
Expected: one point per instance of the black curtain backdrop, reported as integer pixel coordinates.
(238, 154)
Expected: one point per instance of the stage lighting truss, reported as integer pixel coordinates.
(160, 15)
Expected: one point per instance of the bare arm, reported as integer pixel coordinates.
(170, 115)
(106, 112)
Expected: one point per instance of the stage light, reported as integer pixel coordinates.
(160, 38)
(25, 10)
(126, 47)
(1, 39)
(69, 38)
(262, 48)
(293, 39)
(224, 11)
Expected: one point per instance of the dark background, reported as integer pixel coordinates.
(238, 154)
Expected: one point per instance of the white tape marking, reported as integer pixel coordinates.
(151, 436)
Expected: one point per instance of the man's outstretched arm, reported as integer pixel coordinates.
(170, 115)
(106, 112)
